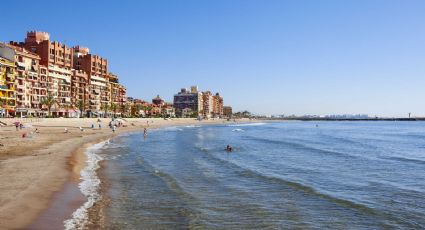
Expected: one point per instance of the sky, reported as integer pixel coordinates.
(268, 57)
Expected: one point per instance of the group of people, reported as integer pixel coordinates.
(19, 125)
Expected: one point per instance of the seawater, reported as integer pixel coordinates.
(307, 175)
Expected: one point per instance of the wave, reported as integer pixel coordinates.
(247, 124)
(404, 159)
(89, 186)
(192, 126)
(172, 128)
(250, 173)
(238, 130)
(301, 146)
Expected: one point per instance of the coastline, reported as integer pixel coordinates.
(35, 170)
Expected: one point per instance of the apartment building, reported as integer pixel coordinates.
(75, 78)
(97, 68)
(227, 111)
(188, 102)
(217, 105)
(80, 91)
(208, 104)
(58, 59)
(31, 88)
(116, 90)
(7, 81)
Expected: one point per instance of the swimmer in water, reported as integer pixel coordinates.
(229, 148)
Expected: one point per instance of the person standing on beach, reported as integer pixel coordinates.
(17, 126)
(113, 128)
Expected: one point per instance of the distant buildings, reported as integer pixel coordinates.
(41, 77)
(188, 103)
(78, 81)
(227, 111)
(193, 103)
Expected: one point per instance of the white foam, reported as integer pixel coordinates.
(192, 126)
(238, 130)
(89, 186)
(247, 124)
(172, 128)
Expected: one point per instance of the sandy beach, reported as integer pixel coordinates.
(34, 168)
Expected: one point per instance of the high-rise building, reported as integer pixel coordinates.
(7, 81)
(207, 104)
(97, 68)
(75, 78)
(217, 105)
(31, 87)
(117, 92)
(58, 58)
(195, 103)
(188, 102)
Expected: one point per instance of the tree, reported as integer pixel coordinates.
(2, 103)
(147, 109)
(105, 108)
(49, 101)
(138, 107)
(114, 108)
(67, 107)
(124, 108)
(81, 106)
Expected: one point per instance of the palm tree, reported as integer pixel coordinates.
(2, 103)
(114, 108)
(137, 109)
(105, 108)
(67, 107)
(124, 108)
(49, 101)
(81, 106)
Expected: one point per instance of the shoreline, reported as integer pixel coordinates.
(33, 171)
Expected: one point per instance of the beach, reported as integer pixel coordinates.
(35, 168)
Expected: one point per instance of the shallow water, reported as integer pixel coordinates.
(339, 175)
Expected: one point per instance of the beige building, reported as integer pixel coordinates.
(75, 78)
(97, 68)
(57, 57)
(31, 87)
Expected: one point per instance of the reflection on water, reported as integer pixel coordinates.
(338, 175)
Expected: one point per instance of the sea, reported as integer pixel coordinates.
(280, 175)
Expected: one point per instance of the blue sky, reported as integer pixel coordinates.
(269, 57)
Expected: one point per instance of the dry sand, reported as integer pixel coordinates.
(33, 168)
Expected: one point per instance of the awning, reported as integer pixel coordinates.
(20, 65)
(21, 110)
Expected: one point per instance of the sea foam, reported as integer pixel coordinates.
(247, 124)
(89, 186)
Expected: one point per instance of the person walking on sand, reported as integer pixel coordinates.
(17, 126)
(100, 126)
